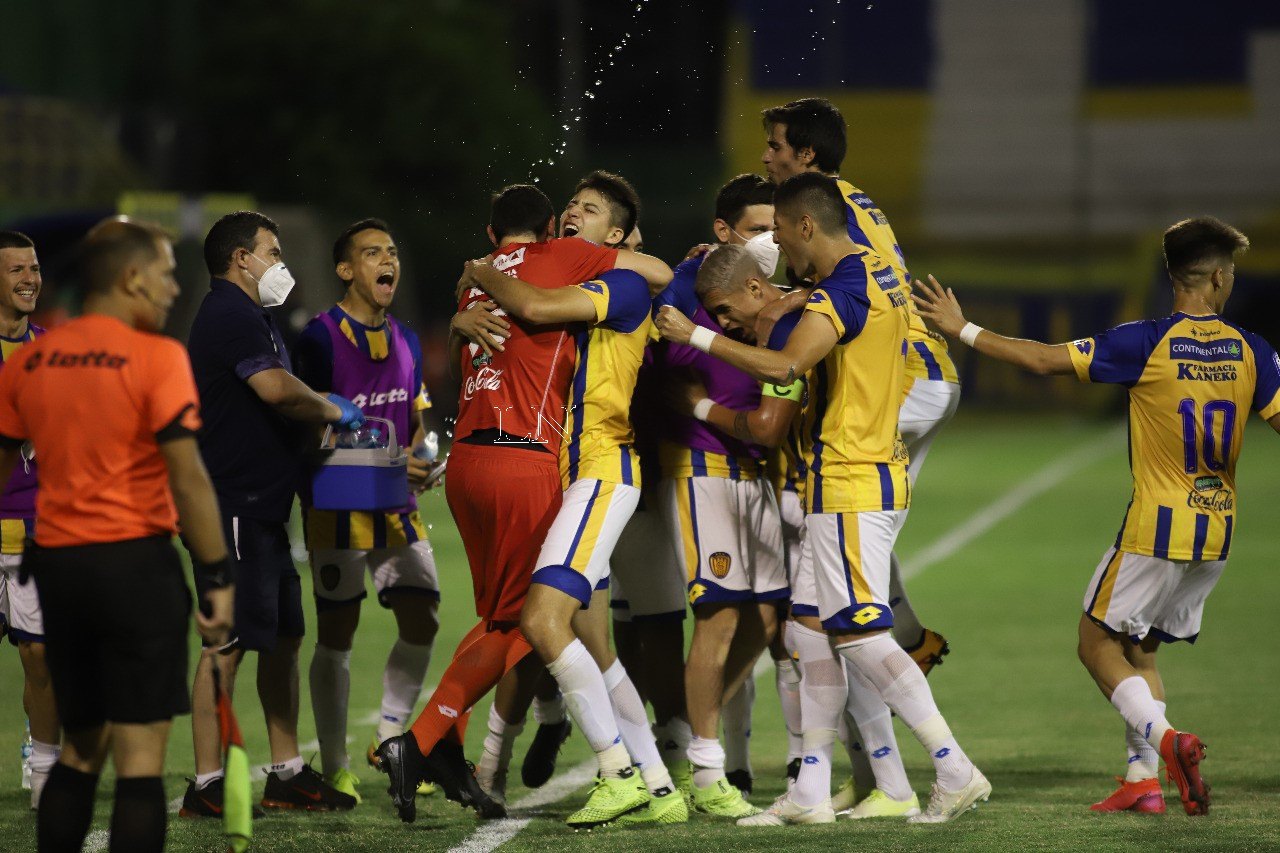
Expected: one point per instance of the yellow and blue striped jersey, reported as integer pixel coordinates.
(1192, 381)
(786, 463)
(679, 462)
(598, 436)
(927, 353)
(857, 461)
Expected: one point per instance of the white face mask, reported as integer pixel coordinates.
(765, 252)
(275, 284)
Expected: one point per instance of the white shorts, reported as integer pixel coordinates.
(849, 553)
(1139, 595)
(19, 605)
(729, 533)
(337, 575)
(575, 556)
(928, 406)
(648, 578)
(791, 509)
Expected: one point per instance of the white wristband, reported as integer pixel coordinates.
(702, 409)
(969, 333)
(702, 338)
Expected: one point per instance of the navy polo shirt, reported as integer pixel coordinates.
(254, 454)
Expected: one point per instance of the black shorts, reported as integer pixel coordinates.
(116, 618)
(268, 589)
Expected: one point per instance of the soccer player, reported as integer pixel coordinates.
(809, 135)
(111, 586)
(857, 489)
(254, 410)
(1192, 378)
(734, 288)
(356, 349)
(504, 481)
(19, 606)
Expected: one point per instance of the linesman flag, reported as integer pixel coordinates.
(237, 804)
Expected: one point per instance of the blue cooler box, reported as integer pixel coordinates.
(364, 479)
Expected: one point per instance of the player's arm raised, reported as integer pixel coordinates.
(813, 338)
(651, 269)
(201, 523)
(535, 305)
(940, 306)
(766, 425)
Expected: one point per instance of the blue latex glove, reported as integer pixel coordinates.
(352, 417)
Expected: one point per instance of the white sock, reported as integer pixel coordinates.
(491, 772)
(787, 679)
(44, 756)
(873, 727)
(587, 700)
(823, 692)
(907, 630)
(401, 683)
(735, 719)
(902, 687)
(549, 712)
(330, 691)
(673, 739)
(1132, 698)
(633, 724)
(288, 769)
(864, 778)
(707, 757)
(203, 779)
(1144, 760)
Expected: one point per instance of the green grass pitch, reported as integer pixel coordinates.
(1012, 690)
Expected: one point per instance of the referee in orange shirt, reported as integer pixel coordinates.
(116, 605)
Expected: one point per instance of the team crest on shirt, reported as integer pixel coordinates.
(720, 563)
(867, 614)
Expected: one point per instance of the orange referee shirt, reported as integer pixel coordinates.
(96, 397)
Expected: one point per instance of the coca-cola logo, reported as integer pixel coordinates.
(1219, 500)
(486, 379)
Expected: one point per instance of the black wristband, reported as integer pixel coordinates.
(215, 575)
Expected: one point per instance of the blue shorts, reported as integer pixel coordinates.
(268, 589)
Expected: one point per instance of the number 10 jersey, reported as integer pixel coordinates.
(1192, 381)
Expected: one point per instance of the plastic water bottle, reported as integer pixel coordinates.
(26, 759)
(362, 438)
(427, 449)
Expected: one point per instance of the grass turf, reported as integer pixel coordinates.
(1016, 697)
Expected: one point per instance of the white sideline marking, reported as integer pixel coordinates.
(495, 833)
(1007, 504)
(96, 841)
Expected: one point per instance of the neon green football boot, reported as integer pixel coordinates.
(610, 799)
(345, 781)
(722, 800)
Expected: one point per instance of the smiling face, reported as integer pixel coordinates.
(20, 282)
(588, 215)
(372, 268)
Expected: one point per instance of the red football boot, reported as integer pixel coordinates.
(1182, 753)
(1144, 797)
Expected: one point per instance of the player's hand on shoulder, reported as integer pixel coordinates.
(698, 251)
(673, 325)
(217, 624)
(939, 306)
(482, 326)
(774, 311)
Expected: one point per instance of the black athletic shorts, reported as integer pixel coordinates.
(268, 589)
(116, 617)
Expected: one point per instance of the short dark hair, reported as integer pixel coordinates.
(231, 232)
(15, 240)
(819, 196)
(1191, 243)
(517, 209)
(624, 201)
(739, 194)
(110, 246)
(812, 123)
(342, 245)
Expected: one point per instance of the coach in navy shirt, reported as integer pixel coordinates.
(255, 412)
